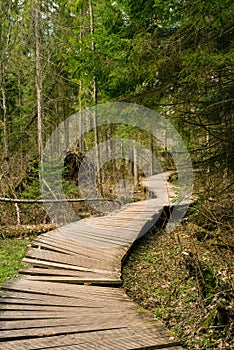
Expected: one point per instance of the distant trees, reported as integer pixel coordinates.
(173, 56)
(8, 14)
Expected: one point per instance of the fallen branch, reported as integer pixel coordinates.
(24, 230)
(55, 201)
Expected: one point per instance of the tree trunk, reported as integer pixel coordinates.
(4, 108)
(38, 80)
(80, 126)
(151, 155)
(96, 136)
(109, 144)
(135, 165)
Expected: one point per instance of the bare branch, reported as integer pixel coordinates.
(55, 201)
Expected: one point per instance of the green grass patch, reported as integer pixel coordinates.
(12, 252)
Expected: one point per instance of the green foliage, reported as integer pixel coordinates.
(12, 252)
(32, 187)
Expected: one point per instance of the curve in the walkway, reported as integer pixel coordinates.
(66, 297)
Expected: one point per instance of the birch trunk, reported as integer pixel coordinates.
(4, 109)
(38, 81)
(96, 136)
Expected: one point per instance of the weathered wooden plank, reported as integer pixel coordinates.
(80, 252)
(97, 233)
(68, 243)
(65, 290)
(101, 281)
(97, 225)
(26, 298)
(91, 318)
(118, 339)
(60, 272)
(63, 275)
(82, 307)
(61, 289)
(51, 264)
(31, 296)
(74, 324)
(80, 261)
(21, 299)
(83, 312)
(93, 228)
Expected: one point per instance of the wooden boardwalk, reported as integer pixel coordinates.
(67, 297)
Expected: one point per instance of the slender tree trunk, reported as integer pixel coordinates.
(95, 100)
(91, 23)
(4, 108)
(80, 126)
(62, 111)
(20, 103)
(208, 147)
(109, 142)
(66, 133)
(135, 165)
(38, 80)
(151, 155)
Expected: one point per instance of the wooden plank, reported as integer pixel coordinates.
(104, 242)
(92, 242)
(83, 310)
(97, 233)
(95, 225)
(5, 292)
(46, 308)
(121, 319)
(59, 272)
(80, 261)
(68, 243)
(79, 251)
(82, 324)
(75, 320)
(100, 235)
(19, 299)
(77, 280)
(118, 339)
(60, 289)
(50, 264)
(27, 298)
(67, 275)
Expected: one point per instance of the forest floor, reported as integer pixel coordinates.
(186, 279)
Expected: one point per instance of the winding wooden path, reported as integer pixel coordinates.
(67, 297)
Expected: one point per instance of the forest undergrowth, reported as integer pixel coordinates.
(185, 277)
